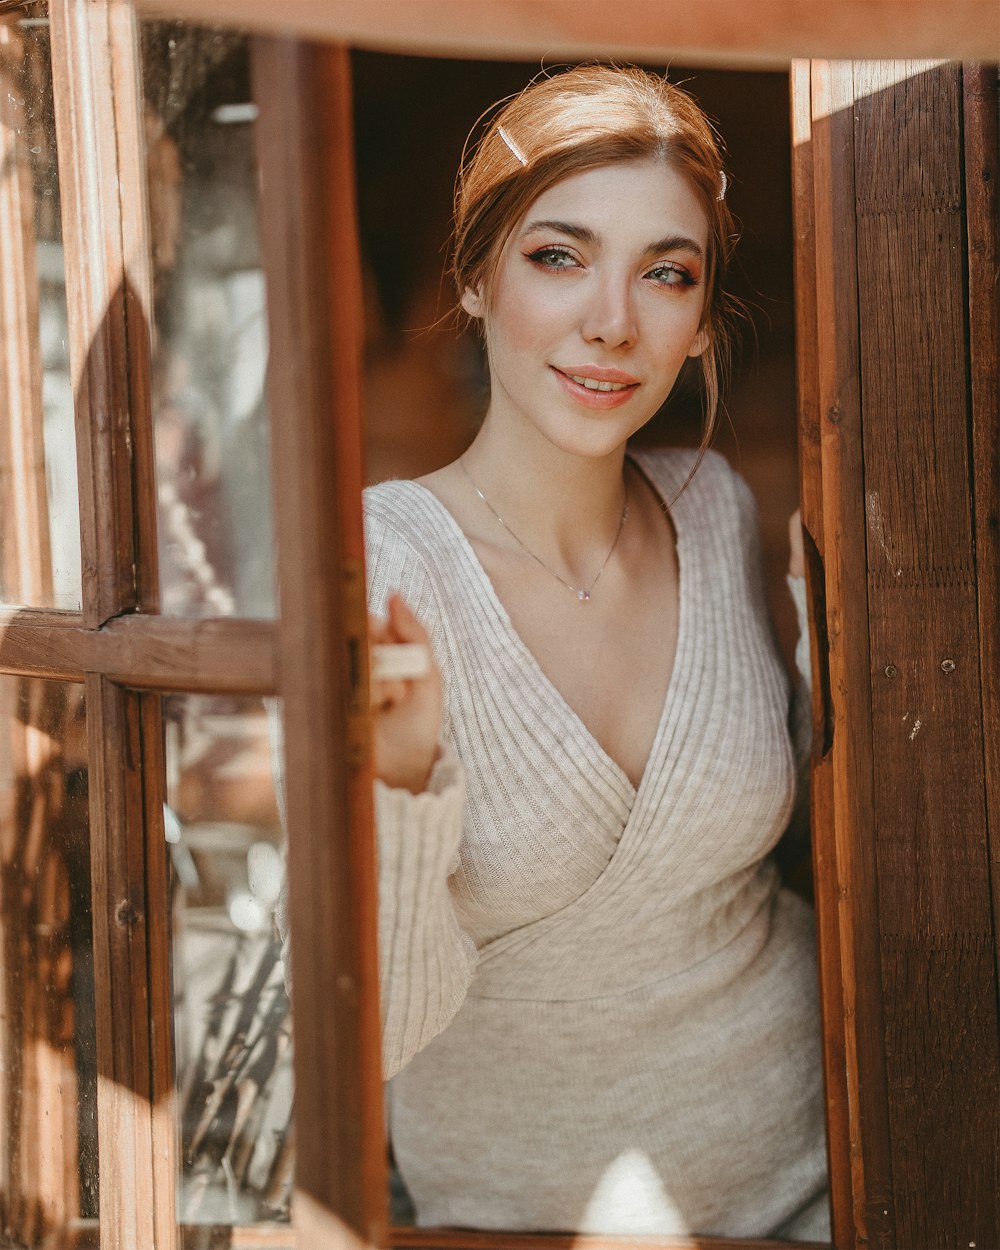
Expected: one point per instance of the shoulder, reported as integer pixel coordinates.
(402, 513)
(412, 544)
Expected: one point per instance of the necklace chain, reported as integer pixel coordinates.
(582, 593)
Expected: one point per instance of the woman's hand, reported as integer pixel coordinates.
(797, 553)
(407, 712)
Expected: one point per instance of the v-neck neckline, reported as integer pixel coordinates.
(553, 695)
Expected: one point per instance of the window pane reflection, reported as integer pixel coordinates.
(39, 521)
(210, 357)
(231, 1014)
(48, 1075)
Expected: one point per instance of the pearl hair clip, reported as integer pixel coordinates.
(724, 184)
(514, 149)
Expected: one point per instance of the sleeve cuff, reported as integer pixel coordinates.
(797, 588)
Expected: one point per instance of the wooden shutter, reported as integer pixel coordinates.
(895, 169)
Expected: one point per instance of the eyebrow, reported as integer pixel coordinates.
(583, 234)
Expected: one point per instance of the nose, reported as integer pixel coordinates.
(610, 314)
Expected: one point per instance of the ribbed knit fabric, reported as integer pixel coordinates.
(599, 1008)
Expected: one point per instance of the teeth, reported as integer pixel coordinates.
(593, 385)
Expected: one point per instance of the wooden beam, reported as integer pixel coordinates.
(689, 32)
(96, 282)
(458, 1239)
(826, 893)
(847, 846)
(224, 656)
(909, 623)
(309, 242)
(123, 63)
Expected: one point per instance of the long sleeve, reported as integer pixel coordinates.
(426, 959)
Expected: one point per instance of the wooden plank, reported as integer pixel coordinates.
(309, 239)
(226, 656)
(124, 62)
(825, 872)
(847, 626)
(95, 289)
(689, 32)
(466, 1239)
(933, 903)
(25, 558)
(981, 112)
(126, 1092)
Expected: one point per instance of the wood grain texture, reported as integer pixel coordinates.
(850, 849)
(126, 1094)
(688, 32)
(981, 112)
(224, 656)
(935, 916)
(89, 174)
(908, 480)
(825, 889)
(309, 237)
(136, 288)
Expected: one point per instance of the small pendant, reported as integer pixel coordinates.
(583, 596)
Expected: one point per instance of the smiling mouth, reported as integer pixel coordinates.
(593, 385)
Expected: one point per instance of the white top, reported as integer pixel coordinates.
(599, 1008)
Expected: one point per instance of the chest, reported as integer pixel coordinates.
(610, 659)
(549, 808)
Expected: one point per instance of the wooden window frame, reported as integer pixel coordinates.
(315, 657)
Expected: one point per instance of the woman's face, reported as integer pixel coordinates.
(596, 304)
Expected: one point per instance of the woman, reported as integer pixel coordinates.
(599, 1007)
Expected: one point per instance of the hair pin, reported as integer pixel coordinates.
(515, 150)
(724, 181)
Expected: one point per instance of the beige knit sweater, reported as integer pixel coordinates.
(599, 1006)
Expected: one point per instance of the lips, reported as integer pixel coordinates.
(596, 386)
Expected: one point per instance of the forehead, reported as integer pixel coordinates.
(637, 202)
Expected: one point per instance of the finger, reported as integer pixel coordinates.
(403, 622)
(378, 628)
(385, 695)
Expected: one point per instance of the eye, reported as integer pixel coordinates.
(553, 258)
(667, 273)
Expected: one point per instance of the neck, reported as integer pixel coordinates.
(565, 508)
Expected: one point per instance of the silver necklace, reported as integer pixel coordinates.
(582, 593)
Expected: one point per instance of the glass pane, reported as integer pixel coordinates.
(231, 1014)
(48, 1073)
(39, 518)
(210, 360)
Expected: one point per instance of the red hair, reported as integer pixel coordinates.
(584, 118)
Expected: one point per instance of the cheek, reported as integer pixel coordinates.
(525, 316)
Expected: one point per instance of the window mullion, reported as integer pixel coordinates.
(102, 163)
(136, 1137)
(309, 237)
(96, 283)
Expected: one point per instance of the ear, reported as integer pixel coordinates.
(472, 302)
(701, 341)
